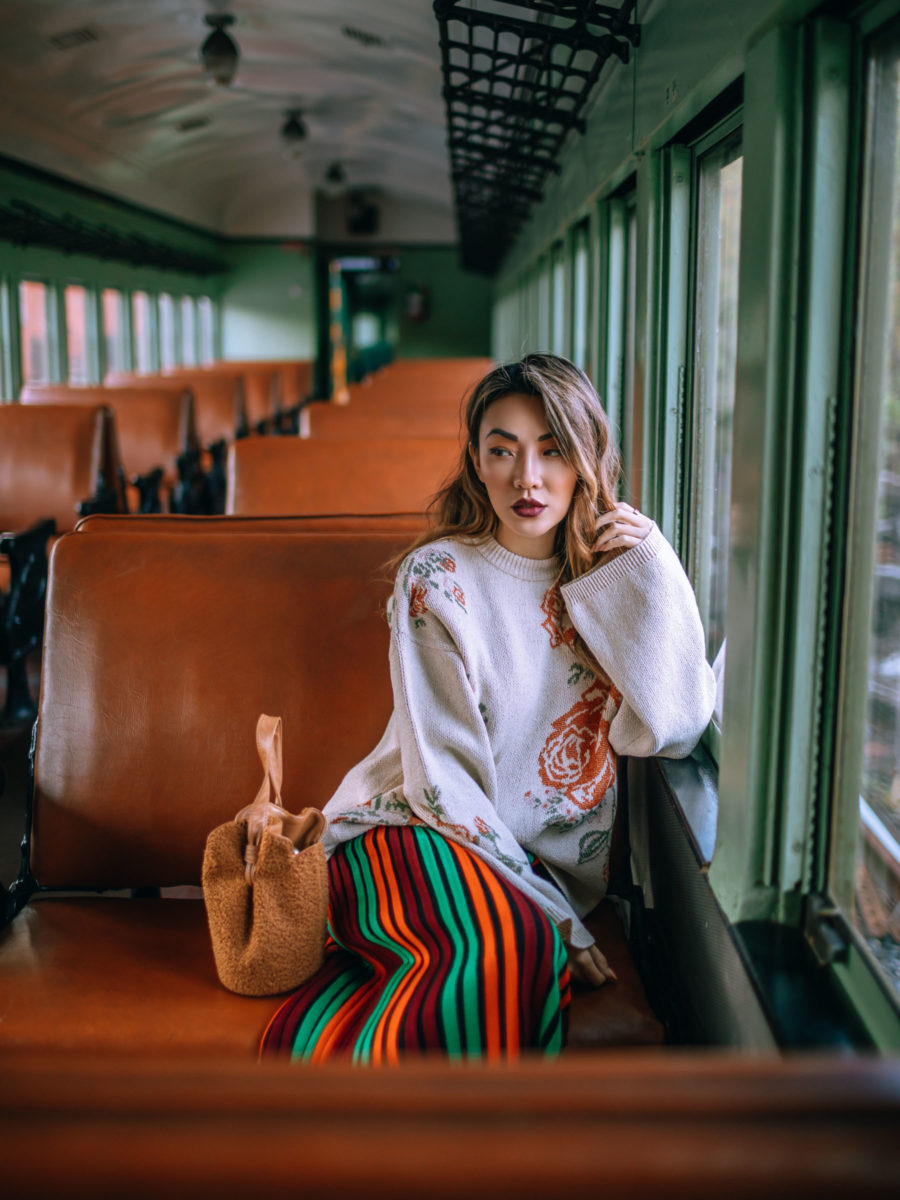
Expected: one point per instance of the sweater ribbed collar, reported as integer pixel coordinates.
(531, 569)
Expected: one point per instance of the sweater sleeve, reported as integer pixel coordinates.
(449, 777)
(638, 615)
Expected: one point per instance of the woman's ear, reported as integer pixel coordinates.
(473, 454)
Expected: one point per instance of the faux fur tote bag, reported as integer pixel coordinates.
(265, 885)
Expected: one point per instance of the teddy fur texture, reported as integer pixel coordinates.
(268, 937)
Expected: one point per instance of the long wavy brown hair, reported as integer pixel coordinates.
(575, 416)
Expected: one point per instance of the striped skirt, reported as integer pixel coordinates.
(429, 950)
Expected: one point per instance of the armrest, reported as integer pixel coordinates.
(148, 490)
(22, 607)
(22, 612)
(192, 493)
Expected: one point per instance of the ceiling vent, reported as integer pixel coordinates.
(73, 38)
(363, 37)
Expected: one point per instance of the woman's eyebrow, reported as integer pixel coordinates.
(511, 437)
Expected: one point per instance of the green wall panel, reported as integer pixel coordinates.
(268, 301)
(459, 316)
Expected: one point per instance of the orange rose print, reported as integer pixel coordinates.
(577, 758)
(557, 621)
(417, 606)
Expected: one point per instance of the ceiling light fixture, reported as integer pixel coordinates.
(293, 130)
(336, 175)
(219, 54)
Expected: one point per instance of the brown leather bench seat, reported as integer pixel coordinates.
(55, 462)
(293, 476)
(154, 427)
(160, 651)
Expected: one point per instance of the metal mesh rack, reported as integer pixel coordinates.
(516, 75)
(27, 225)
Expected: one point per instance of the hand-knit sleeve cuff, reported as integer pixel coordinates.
(622, 568)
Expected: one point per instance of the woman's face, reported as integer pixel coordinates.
(529, 484)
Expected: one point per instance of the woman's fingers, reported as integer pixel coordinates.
(590, 966)
(622, 527)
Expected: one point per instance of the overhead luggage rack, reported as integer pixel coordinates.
(516, 79)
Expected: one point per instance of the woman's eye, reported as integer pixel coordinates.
(552, 453)
(498, 451)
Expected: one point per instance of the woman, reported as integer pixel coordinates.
(539, 629)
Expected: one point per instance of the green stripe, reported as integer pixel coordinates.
(551, 1026)
(463, 971)
(325, 1006)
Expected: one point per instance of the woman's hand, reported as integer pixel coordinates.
(621, 528)
(590, 966)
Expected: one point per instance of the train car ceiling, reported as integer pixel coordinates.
(113, 95)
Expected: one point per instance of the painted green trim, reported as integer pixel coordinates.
(71, 187)
(861, 980)
(873, 284)
(877, 16)
(829, 53)
(670, 425)
(94, 329)
(743, 872)
(614, 290)
(56, 333)
(597, 251)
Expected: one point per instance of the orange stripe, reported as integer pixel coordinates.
(492, 1036)
(510, 965)
(395, 1012)
(390, 930)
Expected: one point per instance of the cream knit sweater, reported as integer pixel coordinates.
(500, 738)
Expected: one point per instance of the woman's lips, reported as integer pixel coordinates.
(528, 508)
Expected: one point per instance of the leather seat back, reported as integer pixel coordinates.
(160, 652)
(51, 459)
(154, 425)
(297, 476)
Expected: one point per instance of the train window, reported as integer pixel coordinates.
(35, 331)
(714, 354)
(188, 332)
(581, 295)
(206, 315)
(166, 330)
(77, 333)
(113, 330)
(868, 883)
(142, 332)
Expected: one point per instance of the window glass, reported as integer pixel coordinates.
(166, 330)
(76, 333)
(188, 331)
(112, 330)
(580, 300)
(140, 322)
(714, 362)
(207, 329)
(877, 875)
(34, 331)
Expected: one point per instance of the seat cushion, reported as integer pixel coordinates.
(617, 1014)
(119, 974)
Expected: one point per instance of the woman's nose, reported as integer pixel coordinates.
(529, 472)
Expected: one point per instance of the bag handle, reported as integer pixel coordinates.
(266, 809)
